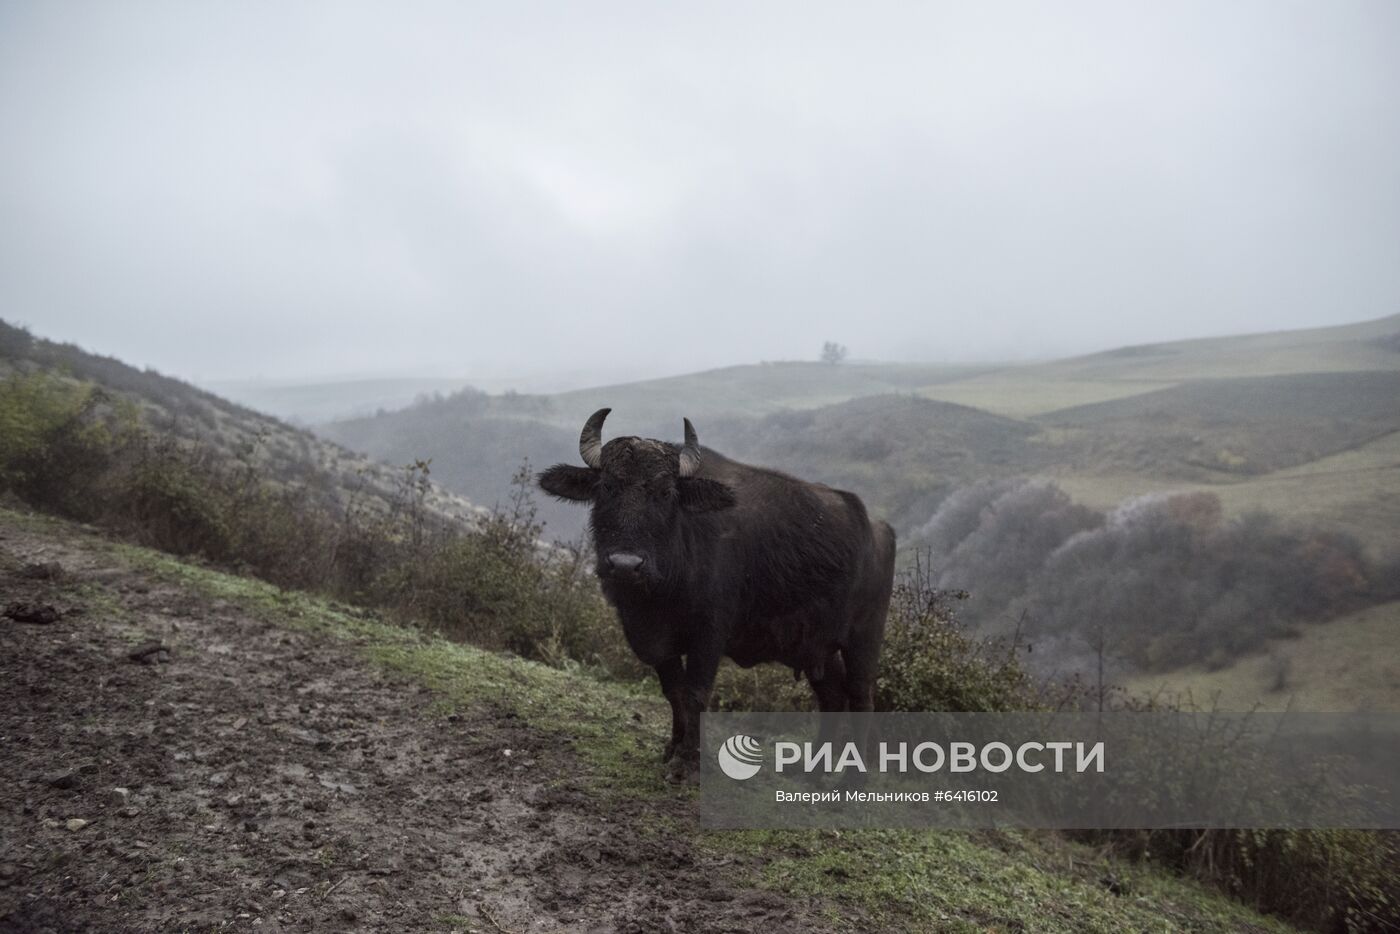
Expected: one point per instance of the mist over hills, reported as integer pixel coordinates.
(1219, 412)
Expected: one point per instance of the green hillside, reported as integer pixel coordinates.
(903, 453)
(1127, 371)
(222, 430)
(754, 390)
(1359, 346)
(1255, 425)
(1017, 391)
(1356, 491)
(1347, 664)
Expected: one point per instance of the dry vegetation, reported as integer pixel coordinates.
(1159, 582)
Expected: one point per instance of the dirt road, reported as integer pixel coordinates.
(173, 762)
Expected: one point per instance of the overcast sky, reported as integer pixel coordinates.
(303, 190)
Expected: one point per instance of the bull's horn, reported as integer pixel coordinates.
(590, 440)
(690, 453)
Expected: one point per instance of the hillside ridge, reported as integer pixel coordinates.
(171, 407)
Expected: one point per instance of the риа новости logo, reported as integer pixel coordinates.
(741, 757)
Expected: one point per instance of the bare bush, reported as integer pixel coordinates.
(1164, 580)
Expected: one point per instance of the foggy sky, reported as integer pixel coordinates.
(311, 190)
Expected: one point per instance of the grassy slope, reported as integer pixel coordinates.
(752, 390)
(902, 880)
(1349, 663)
(1356, 491)
(901, 453)
(1221, 429)
(1022, 392)
(285, 454)
(1026, 393)
(1330, 349)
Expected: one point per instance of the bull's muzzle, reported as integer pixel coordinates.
(624, 565)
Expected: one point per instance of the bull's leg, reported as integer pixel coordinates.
(700, 671)
(862, 666)
(831, 701)
(862, 658)
(830, 689)
(672, 675)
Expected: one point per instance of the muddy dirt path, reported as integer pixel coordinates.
(173, 763)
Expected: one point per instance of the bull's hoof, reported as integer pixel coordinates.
(683, 770)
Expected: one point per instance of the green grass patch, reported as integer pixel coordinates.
(1026, 392)
(1003, 881)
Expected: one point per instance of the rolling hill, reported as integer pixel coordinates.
(1214, 428)
(1127, 371)
(753, 390)
(1245, 416)
(232, 433)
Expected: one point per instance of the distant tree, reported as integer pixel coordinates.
(833, 352)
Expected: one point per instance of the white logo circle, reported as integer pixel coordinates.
(741, 757)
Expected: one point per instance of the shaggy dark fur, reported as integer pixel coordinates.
(734, 561)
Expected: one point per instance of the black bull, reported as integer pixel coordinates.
(704, 557)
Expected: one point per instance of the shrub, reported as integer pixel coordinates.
(1017, 527)
(498, 587)
(164, 499)
(50, 434)
(1327, 880)
(931, 663)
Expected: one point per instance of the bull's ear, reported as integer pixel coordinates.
(569, 482)
(700, 494)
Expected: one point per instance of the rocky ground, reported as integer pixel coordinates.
(174, 762)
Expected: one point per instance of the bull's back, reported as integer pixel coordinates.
(799, 542)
